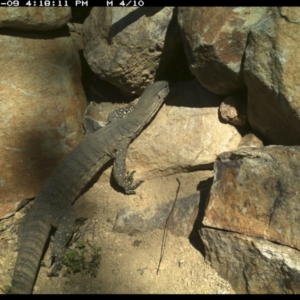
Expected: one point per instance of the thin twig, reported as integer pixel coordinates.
(166, 229)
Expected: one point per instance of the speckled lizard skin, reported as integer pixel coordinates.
(53, 205)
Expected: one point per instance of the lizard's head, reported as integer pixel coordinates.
(150, 102)
(155, 93)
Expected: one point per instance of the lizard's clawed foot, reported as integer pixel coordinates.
(58, 263)
(130, 189)
(54, 270)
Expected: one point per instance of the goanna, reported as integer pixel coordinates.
(53, 205)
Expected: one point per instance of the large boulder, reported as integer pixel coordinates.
(214, 40)
(129, 46)
(252, 219)
(34, 18)
(42, 104)
(255, 192)
(271, 75)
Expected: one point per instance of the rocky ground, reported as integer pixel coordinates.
(128, 262)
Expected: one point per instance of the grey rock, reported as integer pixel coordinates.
(180, 222)
(252, 265)
(125, 46)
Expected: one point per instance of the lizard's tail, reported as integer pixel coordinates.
(29, 255)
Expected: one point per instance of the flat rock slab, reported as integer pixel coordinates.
(252, 265)
(181, 139)
(154, 205)
(256, 192)
(180, 223)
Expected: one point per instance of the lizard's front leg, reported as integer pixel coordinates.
(120, 113)
(119, 169)
(91, 125)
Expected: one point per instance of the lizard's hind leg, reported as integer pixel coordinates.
(61, 237)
